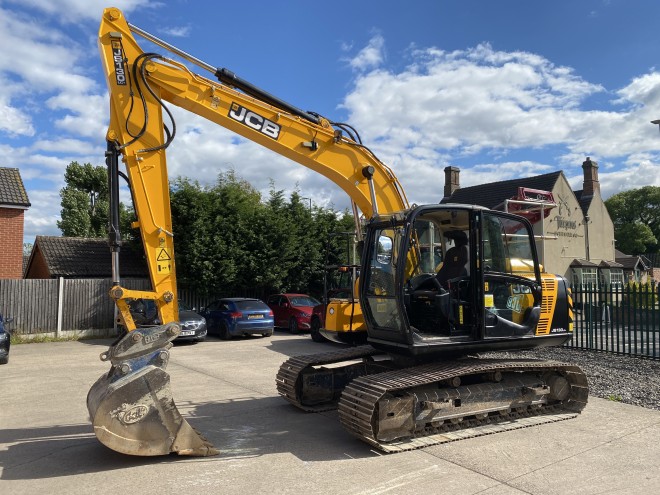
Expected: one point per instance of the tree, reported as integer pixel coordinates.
(634, 238)
(219, 235)
(85, 203)
(227, 241)
(636, 217)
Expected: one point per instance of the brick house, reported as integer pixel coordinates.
(78, 257)
(13, 203)
(654, 259)
(575, 236)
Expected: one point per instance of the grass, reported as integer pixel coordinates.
(614, 398)
(40, 339)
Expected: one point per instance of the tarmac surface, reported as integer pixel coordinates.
(227, 391)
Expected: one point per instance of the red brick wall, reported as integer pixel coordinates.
(11, 243)
(655, 274)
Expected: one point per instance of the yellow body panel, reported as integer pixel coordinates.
(344, 316)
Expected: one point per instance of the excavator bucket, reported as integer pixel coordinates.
(131, 407)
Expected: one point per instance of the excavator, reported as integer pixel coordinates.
(422, 377)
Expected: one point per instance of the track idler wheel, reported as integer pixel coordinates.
(131, 407)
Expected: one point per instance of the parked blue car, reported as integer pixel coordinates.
(233, 316)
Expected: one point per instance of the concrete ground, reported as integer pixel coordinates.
(227, 390)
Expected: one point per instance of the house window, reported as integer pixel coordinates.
(612, 277)
(585, 277)
(616, 277)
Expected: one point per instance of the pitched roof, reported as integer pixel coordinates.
(12, 191)
(609, 264)
(654, 259)
(582, 263)
(78, 257)
(492, 194)
(631, 262)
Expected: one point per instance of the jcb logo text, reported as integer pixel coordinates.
(254, 121)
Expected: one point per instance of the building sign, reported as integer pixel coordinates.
(565, 225)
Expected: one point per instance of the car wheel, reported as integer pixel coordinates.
(224, 331)
(293, 326)
(4, 360)
(316, 331)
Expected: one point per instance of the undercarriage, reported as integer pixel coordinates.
(397, 409)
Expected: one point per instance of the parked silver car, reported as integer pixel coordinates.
(193, 325)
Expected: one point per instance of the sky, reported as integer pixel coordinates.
(500, 89)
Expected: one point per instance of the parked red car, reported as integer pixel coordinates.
(292, 311)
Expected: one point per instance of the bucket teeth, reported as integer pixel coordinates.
(191, 442)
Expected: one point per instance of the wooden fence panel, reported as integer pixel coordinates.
(86, 304)
(32, 304)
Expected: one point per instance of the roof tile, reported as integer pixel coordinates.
(492, 194)
(78, 257)
(12, 191)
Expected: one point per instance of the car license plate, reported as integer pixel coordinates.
(187, 332)
(255, 317)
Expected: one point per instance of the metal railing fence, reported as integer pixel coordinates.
(618, 319)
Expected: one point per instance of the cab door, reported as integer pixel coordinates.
(511, 280)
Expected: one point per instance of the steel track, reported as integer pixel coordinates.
(358, 405)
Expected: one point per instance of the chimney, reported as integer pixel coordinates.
(452, 182)
(591, 183)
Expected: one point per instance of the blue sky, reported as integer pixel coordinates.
(501, 89)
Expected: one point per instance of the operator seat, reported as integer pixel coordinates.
(456, 259)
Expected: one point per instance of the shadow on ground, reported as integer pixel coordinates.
(243, 428)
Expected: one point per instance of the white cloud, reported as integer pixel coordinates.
(41, 62)
(177, 31)
(469, 100)
(87, 113)
(76, 10)
(637, 173)
(42, 59)
(448, 105)
(42, 216)
(68, 146)
(14, 121)
(202, 150)
(370, 56)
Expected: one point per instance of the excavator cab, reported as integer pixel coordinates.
(451, 279)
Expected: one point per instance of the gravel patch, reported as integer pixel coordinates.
(627, 379)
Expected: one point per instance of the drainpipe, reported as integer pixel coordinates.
(586, 237)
